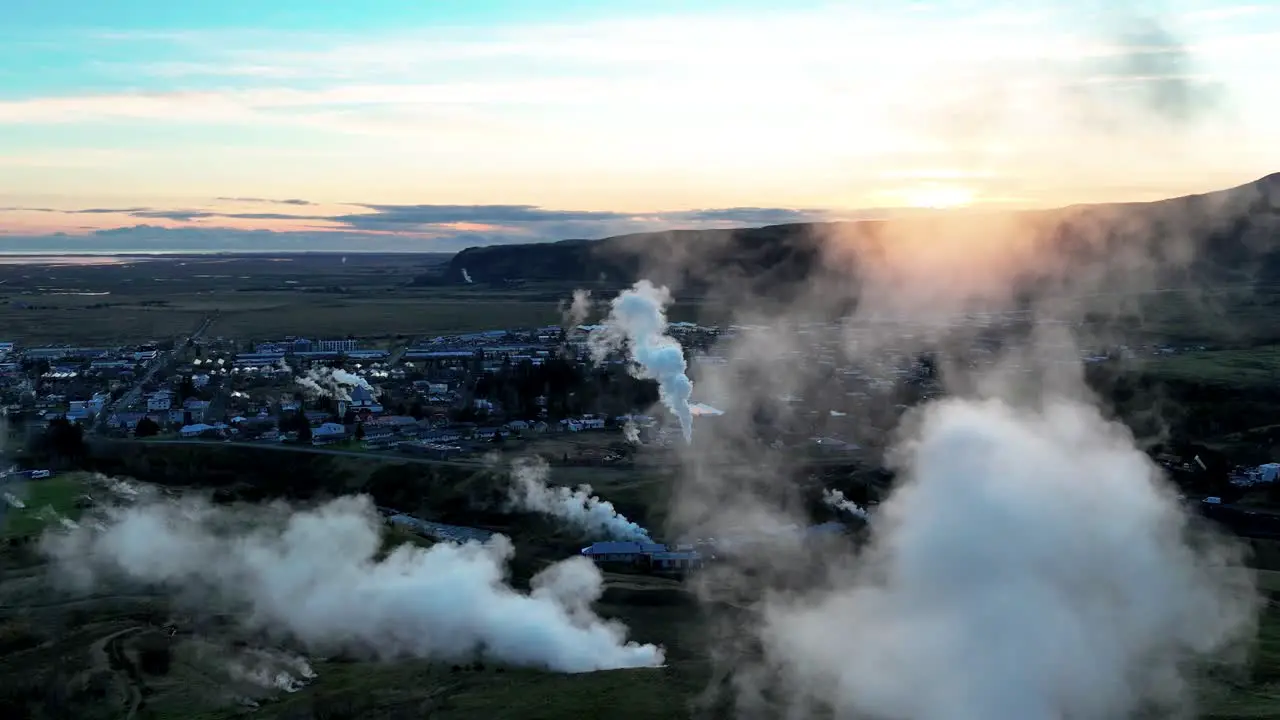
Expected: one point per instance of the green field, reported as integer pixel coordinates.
(95, 648)
(1240, 368)
(56, 494)
(371, 297)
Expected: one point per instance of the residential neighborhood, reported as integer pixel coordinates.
(441, 397)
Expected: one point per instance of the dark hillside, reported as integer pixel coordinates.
(1226, 236)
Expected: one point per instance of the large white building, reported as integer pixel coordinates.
(338, 345)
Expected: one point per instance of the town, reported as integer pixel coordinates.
(444, 397)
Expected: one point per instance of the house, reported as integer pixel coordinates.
(328, 433)
(198, 429)
(621, 553)
(674, 561)
(159, 401)
(518, 426)
(361, 400)
(586, 422)
(374, 432)
(440, 436)
(397, 423)
(125, 420)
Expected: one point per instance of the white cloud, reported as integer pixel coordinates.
(802, 107)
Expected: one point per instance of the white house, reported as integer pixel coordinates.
(198, 429)
(159, 401)
(327, 433)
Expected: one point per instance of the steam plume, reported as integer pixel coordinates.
(1017, 535)
(631, 432)
(579, 309)
(334, 383)
(314, 576)
(578, 508)
(638, 318)
(837, 500)
(466, 276)
(271, 670)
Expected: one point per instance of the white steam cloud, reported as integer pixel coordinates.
(271, 670)
(577, 508)
(315, 576)
(1033, 565)
(631, 432)
(466, 276)
(837, 500)
(638, 318)
(579, 309)
(335, 383)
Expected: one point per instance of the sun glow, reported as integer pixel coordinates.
(938, 197)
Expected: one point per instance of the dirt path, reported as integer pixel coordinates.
(107, 653)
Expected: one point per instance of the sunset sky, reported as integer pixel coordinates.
(438, 124)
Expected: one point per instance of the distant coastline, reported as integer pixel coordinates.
(81, 258)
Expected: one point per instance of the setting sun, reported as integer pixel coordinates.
(937, 197)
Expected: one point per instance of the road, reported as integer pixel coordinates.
(311, 449)
(399, 352)
(399, 458)
(163, 361)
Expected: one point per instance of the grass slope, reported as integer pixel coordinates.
(56, 494)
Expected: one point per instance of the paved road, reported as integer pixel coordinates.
(399, 352)
(163, 361)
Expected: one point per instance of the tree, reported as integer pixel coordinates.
(359, 434)
(146, 427)
(187, 388)
(304, 431)
(63, 440)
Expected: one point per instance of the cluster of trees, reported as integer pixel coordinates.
(297, 422)
(61, 444)
(568, 388)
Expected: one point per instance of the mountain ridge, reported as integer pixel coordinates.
(1212, 236)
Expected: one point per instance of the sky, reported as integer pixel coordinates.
(240, 125)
